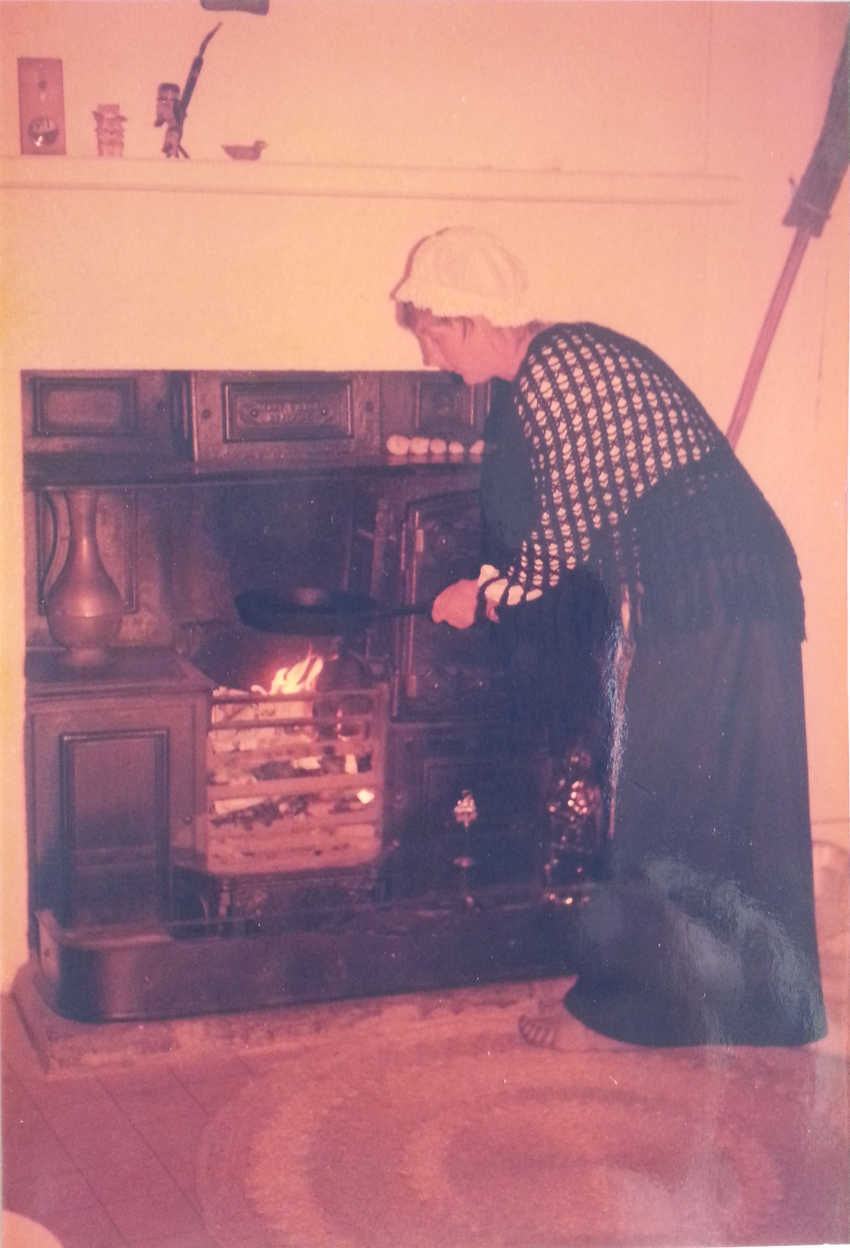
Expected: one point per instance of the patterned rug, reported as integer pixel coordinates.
(473, 1140)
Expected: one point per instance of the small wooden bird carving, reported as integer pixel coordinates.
(245, 151)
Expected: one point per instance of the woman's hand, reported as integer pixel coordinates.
(456, 605)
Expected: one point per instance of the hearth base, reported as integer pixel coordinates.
(150, 973)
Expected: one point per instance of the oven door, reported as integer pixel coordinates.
(440, 671)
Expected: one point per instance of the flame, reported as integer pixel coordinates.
(301, 677)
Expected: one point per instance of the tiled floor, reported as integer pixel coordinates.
(109, 1159)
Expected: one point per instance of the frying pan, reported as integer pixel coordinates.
(320, 612)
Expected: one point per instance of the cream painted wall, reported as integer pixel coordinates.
(637, 155)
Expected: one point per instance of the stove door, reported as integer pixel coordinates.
(442, 671)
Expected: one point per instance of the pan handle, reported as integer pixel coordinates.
(410, 608)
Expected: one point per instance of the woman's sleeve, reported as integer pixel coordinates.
(549, 547)
(522, 580)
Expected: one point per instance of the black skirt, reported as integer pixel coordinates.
(704, 933)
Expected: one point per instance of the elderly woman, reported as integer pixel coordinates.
(703, 930)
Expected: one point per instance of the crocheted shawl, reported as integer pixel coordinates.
(631, 478)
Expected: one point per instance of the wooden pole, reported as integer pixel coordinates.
(766, 333)
(808, 214)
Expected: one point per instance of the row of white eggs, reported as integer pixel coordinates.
(438, 448)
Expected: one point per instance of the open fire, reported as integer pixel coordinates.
(301, 677)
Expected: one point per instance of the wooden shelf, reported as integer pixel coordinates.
(54, 471)
(52, 173)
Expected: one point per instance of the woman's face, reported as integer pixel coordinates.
(451, 344)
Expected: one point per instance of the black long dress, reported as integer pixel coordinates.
(703, 931)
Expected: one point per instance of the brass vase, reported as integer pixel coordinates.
(84, 608)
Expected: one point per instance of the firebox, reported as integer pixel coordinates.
(230, 809)
(294, 804)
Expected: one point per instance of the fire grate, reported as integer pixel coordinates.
(295, 782)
